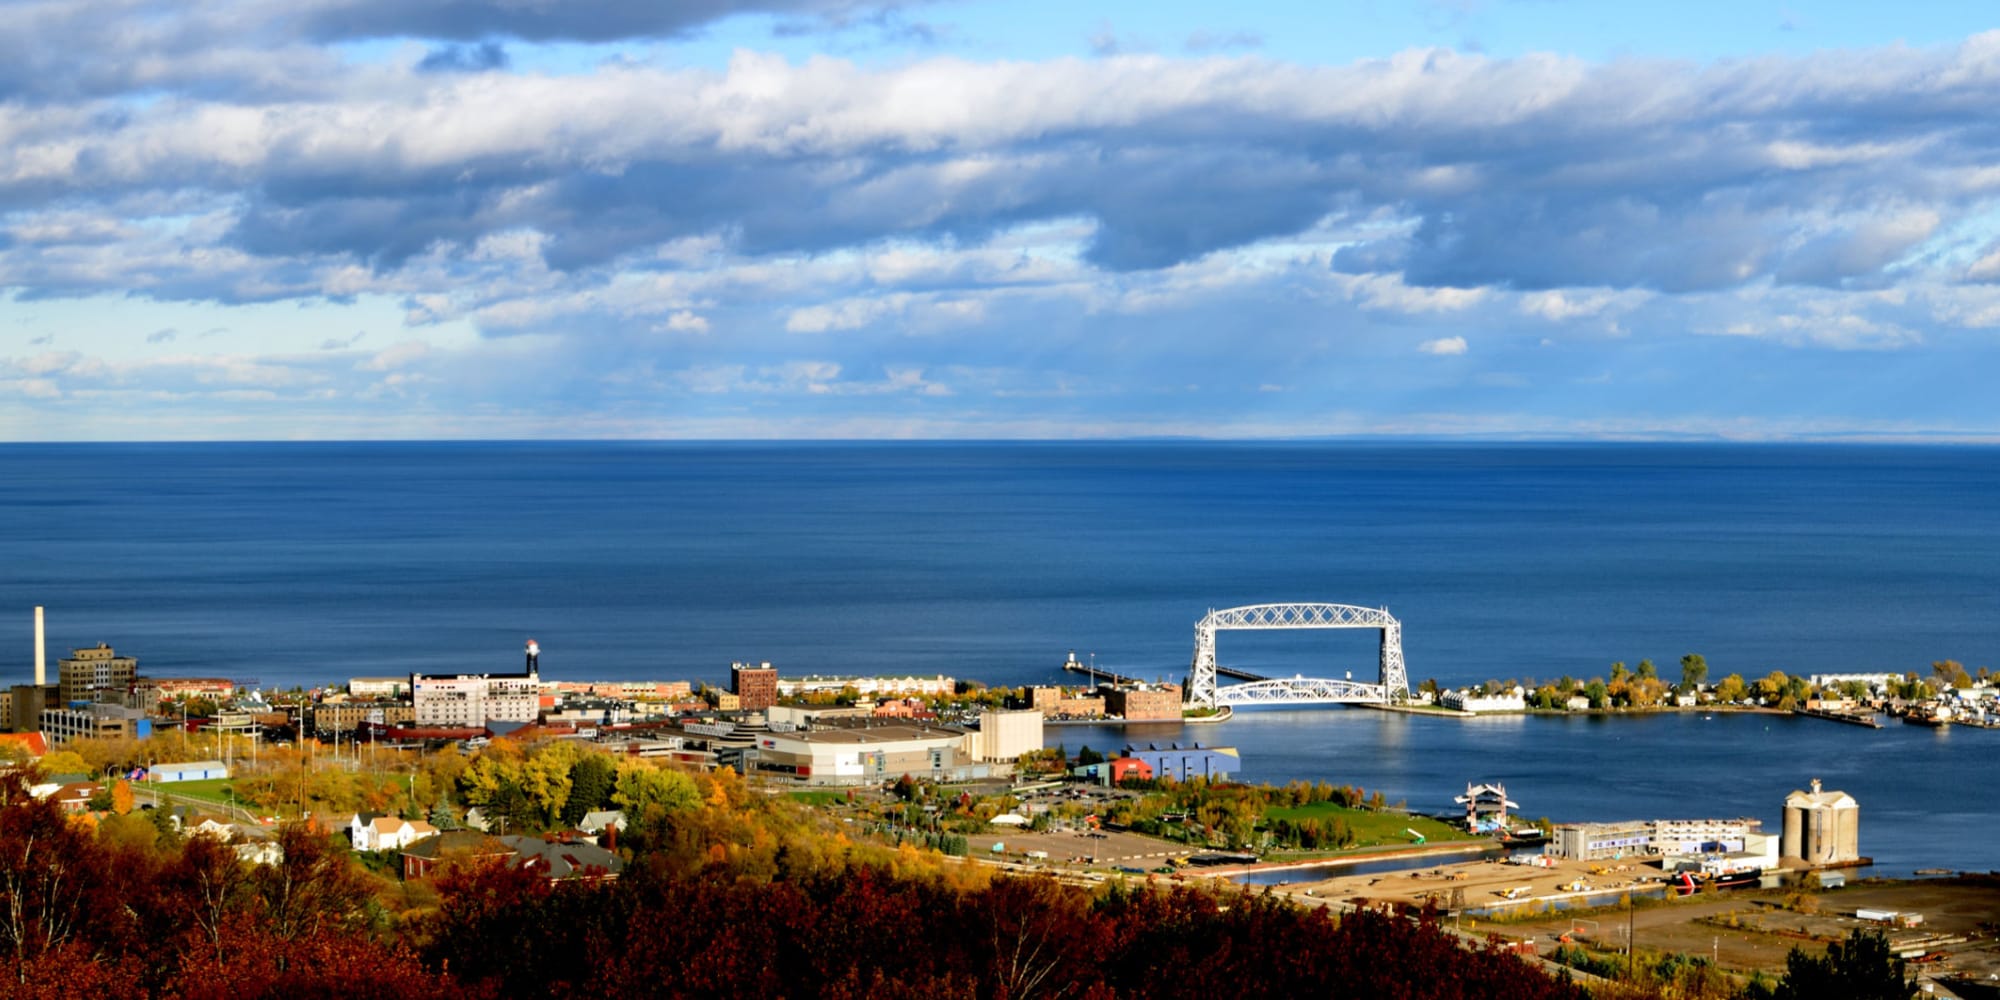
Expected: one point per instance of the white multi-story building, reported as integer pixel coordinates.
(466, 700)
(790, 687)
(1594, 841)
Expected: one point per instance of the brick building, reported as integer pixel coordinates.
(755, 686)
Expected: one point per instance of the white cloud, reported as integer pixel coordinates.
(1443, 346)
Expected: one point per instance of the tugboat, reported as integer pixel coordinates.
(1524, 836)
(1688, 883)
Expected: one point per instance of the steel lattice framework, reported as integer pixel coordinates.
(1393, 686)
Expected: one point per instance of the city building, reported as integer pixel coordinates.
(1006, 735)
(1182, 763)
(148, 692)
(754, 685)
(868, 755)
(1594, 841)
(337, 718)
(793, 687)
(25, 703)
(1142, 702)
(378, 687)
(101, 721)
(1063, 703)
(1651, 837)
(96, 674)
(1821, 828)
(473, 700)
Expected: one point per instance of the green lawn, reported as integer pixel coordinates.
(819, 798)
(207, 789)
(1372, 828)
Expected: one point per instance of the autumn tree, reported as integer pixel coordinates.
(1861, 968)
(1694, 672)
(56, 882)
(1951, 673)
(1731, 688)
(592, 780)
(640, 786)
(313, 888)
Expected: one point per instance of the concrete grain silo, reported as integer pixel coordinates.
(1821, 828)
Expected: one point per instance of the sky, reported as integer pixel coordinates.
(963, 219)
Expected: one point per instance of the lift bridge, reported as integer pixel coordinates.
(1393, 686)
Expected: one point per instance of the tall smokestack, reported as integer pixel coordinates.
(41, 651)
(534, 656)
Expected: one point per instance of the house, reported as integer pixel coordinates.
(210, 826)
(559, 860)
(75, 797)
(376, 832)
(255, 845)
(421, 858)
(595, 823)
(29, 746)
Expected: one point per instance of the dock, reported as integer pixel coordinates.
(1075, 666)
(1851, 718)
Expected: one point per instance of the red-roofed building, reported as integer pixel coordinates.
(34, 746)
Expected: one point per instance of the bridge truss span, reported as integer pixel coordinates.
(1392, 685)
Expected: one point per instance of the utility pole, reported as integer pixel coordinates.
(1631, 945)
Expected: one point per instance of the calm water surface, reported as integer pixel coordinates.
(308, 563)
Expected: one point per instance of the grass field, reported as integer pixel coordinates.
(208, 789)
(1370, 827)
(819, 798)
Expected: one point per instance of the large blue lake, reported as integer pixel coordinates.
(304, 563)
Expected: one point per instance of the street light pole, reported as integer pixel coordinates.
(1631, 946)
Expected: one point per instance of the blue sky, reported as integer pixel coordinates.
(831, 218)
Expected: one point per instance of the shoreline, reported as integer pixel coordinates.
(1445, 713)
(1343, 860)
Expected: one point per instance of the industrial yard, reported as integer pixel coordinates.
(1945, 926)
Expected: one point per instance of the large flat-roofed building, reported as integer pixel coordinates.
(95, 674)
(865, 755)
(1703, 836)
(101, 721)
(472, 700)
(1182, 763)
(378, 687)
(335, 718)
(792, 687)
(1648, 837)
(1141, 703)
(1061, 703)
(754, 685)
(1004, 736)
(1592, 841)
